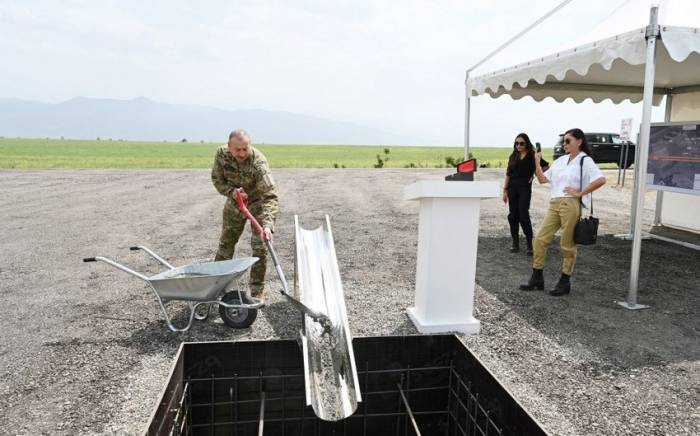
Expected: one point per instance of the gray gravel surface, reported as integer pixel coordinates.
(84, 349)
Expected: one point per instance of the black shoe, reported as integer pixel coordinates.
(529, 247)
(536, 281)
(563, 286)
(515, 247)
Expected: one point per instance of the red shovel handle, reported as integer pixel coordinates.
(242, 205)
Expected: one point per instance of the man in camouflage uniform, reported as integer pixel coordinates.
(239, 165)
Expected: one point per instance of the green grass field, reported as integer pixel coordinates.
(59, 153)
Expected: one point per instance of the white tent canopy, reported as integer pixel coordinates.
(612, 68)
(641, 65)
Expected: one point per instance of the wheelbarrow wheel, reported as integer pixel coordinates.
(237, 318)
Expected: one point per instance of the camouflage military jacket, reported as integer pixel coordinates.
(253, 175)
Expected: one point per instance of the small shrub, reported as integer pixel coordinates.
(381, 161)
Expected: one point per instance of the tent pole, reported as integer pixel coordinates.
(489, 56)
(635, 185)
(652, 34)
(467, 115)
(658, 208)
(668, 108)
(521, 33)
(633, 207)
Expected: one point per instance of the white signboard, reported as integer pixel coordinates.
(626, 129)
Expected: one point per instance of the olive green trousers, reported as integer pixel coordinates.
(563, 213)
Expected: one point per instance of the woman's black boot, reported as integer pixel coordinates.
(529, 247)
(563, 286)
(516, 246)
(536, 281)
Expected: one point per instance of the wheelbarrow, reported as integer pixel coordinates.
(201, 285)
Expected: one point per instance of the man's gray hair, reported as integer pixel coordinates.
(240, 134)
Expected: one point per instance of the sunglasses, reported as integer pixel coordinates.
(568, 141)
(519, 143)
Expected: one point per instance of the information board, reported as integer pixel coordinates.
(674, 157)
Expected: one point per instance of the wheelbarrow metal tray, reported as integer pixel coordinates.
(200, 281)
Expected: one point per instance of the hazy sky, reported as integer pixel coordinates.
(394, 65)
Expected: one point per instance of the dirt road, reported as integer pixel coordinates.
(84, 349)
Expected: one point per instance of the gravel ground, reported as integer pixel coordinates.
(84, 349)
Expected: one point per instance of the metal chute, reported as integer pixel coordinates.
(330, 375)
(332, 386)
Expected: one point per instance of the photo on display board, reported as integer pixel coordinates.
(674, 157)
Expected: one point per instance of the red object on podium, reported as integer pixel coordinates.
(468, 166)
(465, 171)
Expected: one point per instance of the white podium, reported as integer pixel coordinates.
(448, 233)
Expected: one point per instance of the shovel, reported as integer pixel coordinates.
(322, 319)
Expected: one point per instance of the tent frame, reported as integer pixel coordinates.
(652, 35)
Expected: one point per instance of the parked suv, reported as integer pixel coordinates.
(606, 148)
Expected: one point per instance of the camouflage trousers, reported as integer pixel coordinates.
(232, 228)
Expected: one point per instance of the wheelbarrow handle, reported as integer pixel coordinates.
(243, 206)
(116, 265)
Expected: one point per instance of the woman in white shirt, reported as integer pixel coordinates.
(564, 207)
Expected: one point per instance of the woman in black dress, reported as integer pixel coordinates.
(517, 190)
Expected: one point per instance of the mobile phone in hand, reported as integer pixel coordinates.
(537, 147)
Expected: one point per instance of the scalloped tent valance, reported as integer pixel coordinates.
(611, 68)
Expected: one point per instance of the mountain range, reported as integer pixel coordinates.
(144, 119)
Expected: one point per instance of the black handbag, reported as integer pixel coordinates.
(586, 230)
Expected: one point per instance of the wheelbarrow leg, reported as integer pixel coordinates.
(171, 326)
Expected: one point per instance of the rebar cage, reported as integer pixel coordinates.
(411, 385)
